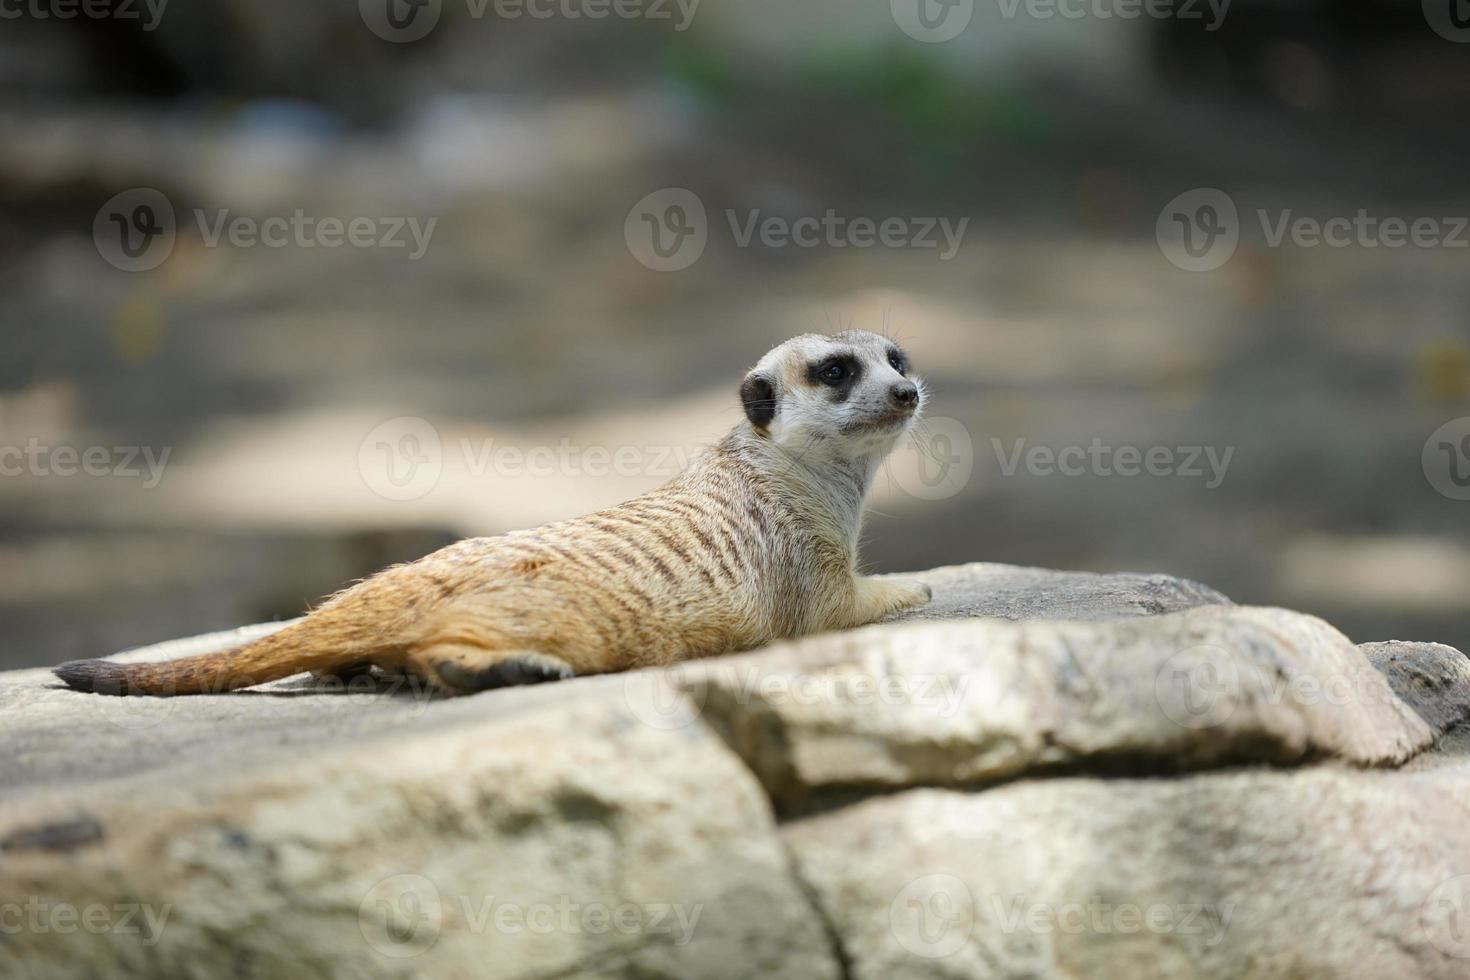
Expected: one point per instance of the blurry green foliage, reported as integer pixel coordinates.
(940, 115)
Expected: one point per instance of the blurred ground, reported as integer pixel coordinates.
(268, 374)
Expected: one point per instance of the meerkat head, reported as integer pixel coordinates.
(850, 394)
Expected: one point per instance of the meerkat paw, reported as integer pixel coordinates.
(876, 598)
(345, 673)
(456, 669)
(914, 593)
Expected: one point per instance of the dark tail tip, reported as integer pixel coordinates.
(94, 676)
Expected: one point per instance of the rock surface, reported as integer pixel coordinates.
(1431, 678)
(971, 702)
(1324, 872)
(710, 820)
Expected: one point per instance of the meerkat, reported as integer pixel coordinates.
(756, 541)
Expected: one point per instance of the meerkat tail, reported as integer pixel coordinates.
(315, 644)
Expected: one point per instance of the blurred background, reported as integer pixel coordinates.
(292, 289)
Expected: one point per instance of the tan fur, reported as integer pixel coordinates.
(757, 541)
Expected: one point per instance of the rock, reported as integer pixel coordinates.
(1322, 872)
(1010, 592)
(521, 847)
(970, 702)
(629, 825)
(1431, 678)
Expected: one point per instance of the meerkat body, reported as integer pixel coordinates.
(757, 541)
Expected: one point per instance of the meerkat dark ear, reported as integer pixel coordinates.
(758, 396)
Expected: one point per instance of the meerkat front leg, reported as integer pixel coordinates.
(875, 598)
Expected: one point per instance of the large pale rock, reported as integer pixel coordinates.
(623, 825)
(970, 702)
(567, 842)
(1324, 872)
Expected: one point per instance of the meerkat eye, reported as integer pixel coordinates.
(833, 374)
(896, 361)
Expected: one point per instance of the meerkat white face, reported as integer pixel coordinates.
(848, 394)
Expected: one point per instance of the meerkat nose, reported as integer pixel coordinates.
(904, 393)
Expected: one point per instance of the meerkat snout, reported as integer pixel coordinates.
(905, 393)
